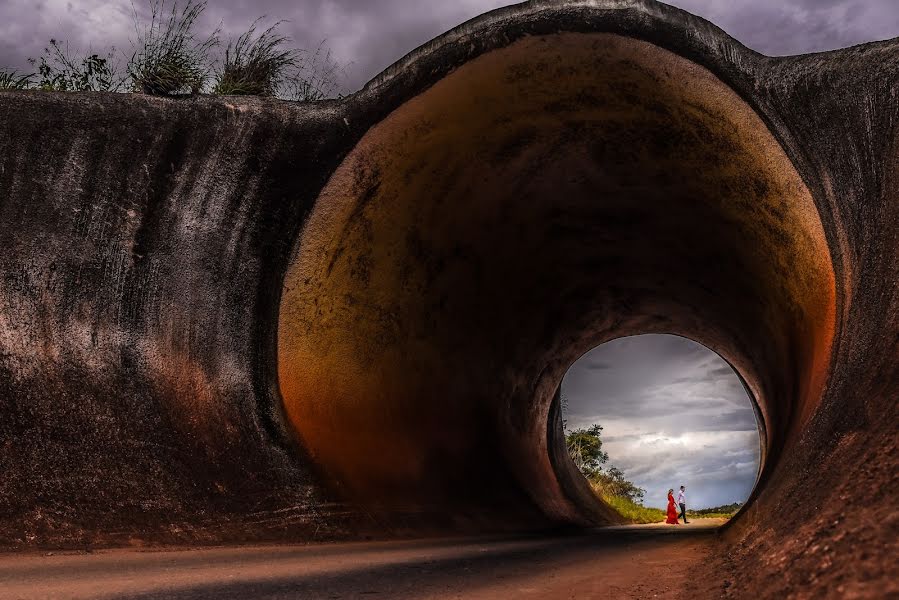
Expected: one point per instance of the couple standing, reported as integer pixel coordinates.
(672, 510)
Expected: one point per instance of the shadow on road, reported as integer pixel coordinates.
(476, 564)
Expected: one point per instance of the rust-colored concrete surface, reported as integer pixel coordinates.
(225, 319)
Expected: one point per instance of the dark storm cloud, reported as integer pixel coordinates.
(369, 35)
(672, 412)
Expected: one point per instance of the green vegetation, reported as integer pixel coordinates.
(169, 58)
(716, 512)
(585, 449)
(630, 510)
(59, 70)
(613, 484)
(13, 80)
(255, 64)
(610, 484)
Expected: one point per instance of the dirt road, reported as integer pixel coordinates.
(627, 562)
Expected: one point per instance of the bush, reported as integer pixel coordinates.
(716, 512)
(13, 80)
(255, 64)
(169, 59)
(60, 71)
(613, 483)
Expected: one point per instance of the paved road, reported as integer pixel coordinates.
(627, 562)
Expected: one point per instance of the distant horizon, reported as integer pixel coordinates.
(673, 413)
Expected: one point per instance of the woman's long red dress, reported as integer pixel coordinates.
(672, 511)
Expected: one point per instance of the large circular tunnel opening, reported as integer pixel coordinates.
(540, 200)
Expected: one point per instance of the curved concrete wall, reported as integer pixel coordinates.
(143, 242)
(448, 240)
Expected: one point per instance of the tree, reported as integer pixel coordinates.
(585, 448)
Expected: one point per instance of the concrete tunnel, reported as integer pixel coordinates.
(232, 319)
(537, 201)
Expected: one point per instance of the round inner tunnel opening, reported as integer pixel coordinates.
(536, 202)
(647, 413)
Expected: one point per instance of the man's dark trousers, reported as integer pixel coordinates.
(683, 512)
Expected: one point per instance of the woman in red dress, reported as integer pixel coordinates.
(672, 509)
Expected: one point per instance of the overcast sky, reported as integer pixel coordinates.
(369, 35)
(673, 413)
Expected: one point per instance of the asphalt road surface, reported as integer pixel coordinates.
(621, 562)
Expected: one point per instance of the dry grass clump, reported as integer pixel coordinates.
(255, 65)
(169, 59)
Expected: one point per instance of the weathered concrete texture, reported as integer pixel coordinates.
(142, 245)
(449, 240)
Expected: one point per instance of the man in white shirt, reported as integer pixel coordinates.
(682, 502)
